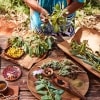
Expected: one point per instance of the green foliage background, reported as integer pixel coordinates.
(15, 5)
(91, 7)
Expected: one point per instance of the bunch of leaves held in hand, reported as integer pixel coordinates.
(47, 90)
(34, 44)
(57, 20)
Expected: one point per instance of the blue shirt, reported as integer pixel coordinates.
(49, 5)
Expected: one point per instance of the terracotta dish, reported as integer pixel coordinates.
(11, 73)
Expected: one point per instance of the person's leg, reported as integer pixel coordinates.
(70, 31)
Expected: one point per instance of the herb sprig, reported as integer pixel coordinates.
(47, 90)
(84, 52)
(34, 44)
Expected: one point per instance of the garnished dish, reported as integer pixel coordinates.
(11, 73)
(59, 79)
(14, 52)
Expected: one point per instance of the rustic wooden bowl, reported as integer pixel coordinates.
(48, 72)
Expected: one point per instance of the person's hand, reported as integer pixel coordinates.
(65, 12)
(44, 16)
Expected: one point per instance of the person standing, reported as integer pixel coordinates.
(40, 9)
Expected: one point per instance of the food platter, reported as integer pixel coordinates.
(81, 83)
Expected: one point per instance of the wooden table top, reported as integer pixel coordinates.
(24, 93)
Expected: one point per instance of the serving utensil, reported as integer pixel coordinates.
(67, 86)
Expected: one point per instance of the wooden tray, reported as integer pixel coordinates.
(26, 61)
(93, 38)
(65, 96)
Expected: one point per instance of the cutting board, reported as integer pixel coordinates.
(93, 37)
(65, 96)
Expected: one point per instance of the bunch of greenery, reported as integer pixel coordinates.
(47, 90)
(57, 20)
(34, 44)
(85, 53)
(92, 7)
(13, 5)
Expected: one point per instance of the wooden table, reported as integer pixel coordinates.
(24, 93)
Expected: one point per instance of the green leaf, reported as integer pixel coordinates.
(56, 28)
(40, 86)
(60, 91)
(57, 7)
(42, 92)
(30, 51)
(46, 97)
(49, 42)
(57, 97)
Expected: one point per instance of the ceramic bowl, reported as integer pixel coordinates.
(3, 86)
(48, 72)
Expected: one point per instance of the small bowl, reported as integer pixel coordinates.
(11, 72)
(3, 86)
(48, 72)
(11, 56)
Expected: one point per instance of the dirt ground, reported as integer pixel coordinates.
(8, 26)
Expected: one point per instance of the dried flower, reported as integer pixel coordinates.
(36, 72)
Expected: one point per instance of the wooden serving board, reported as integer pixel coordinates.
(83, 78)
(26, 61)
(93, 38)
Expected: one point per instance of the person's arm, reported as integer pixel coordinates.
(74, 6)
(33, 4)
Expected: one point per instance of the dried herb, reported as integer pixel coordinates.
(35, 44)
(65, 68)
(85, 53)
